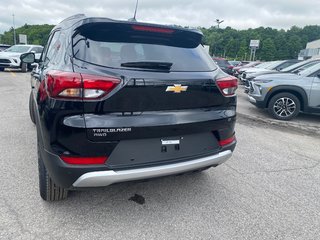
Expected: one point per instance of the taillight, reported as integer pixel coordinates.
(227, 85)
(78, 86)
(97, 86)
(84, 160)
(63, 84)
(227, 141)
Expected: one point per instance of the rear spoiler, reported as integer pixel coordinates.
(134, 32)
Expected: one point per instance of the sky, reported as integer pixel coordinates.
(239, 14)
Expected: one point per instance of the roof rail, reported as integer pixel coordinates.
(74, 17)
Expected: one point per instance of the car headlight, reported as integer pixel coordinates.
(262, 81)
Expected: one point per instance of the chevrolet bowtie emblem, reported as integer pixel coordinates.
(177, 88)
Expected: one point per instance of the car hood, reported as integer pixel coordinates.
(256, 70)
(9, 54)
(256, 74)
(279, 76)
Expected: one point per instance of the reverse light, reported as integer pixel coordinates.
(227, 85)
(97, 86)
(78, 86)
(227, 141)
(84, 160)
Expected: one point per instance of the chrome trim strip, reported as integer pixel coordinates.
(105, 178)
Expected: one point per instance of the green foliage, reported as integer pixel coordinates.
(268, 50)
(275, 44)
(37, 34)
(228, 42)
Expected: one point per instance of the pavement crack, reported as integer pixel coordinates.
(16, 215)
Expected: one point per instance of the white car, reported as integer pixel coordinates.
(10, 58)
(266, 68)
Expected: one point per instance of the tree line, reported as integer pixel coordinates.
(274, 44)
(228, 42)
(36, 34)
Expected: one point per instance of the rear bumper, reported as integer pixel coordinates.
(105, 178)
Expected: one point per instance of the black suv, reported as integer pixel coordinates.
(116, 101)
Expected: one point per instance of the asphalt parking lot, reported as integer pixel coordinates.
(270, 189)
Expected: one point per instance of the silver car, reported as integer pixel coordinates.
(285, 95)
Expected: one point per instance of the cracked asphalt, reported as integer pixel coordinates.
(268, 190)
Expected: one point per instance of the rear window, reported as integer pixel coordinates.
(111, 51)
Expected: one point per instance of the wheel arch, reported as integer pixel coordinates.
(295, 90)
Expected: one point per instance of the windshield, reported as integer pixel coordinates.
(274, 64)
(18, 49)
(264, 65)
(310, 70)
(116, 51)
(222, 62)
(252, 64)
(300, 66)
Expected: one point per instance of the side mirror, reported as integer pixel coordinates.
(28, 57)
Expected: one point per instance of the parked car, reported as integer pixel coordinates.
(4, 47)
(295, 68)
(275, 65)
(286, 94)
(113, 102)
(234, 63)
(224, 65)
(10, 57)
(238, 70)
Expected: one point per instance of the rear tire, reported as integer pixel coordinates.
(1, 69)
(284, 106)
(31, 109)
(49, 191)
(24, 67)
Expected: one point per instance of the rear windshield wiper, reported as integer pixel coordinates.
(148, 65)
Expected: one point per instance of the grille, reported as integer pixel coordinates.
(251, 87)
(5, 61)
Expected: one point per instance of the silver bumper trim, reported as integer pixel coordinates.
(105, 178)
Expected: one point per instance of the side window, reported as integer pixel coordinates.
(315, 74)
(52, 48)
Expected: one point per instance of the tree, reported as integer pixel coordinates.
(294, 46)
(268, 50)
(243, 50)
(37, 34)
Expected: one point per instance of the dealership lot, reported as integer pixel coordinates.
(268, 190)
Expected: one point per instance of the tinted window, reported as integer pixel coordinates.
(285, 65)
(53, 49)
(310, 71)
(306, 66)
(113, 54)
(222, 62)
